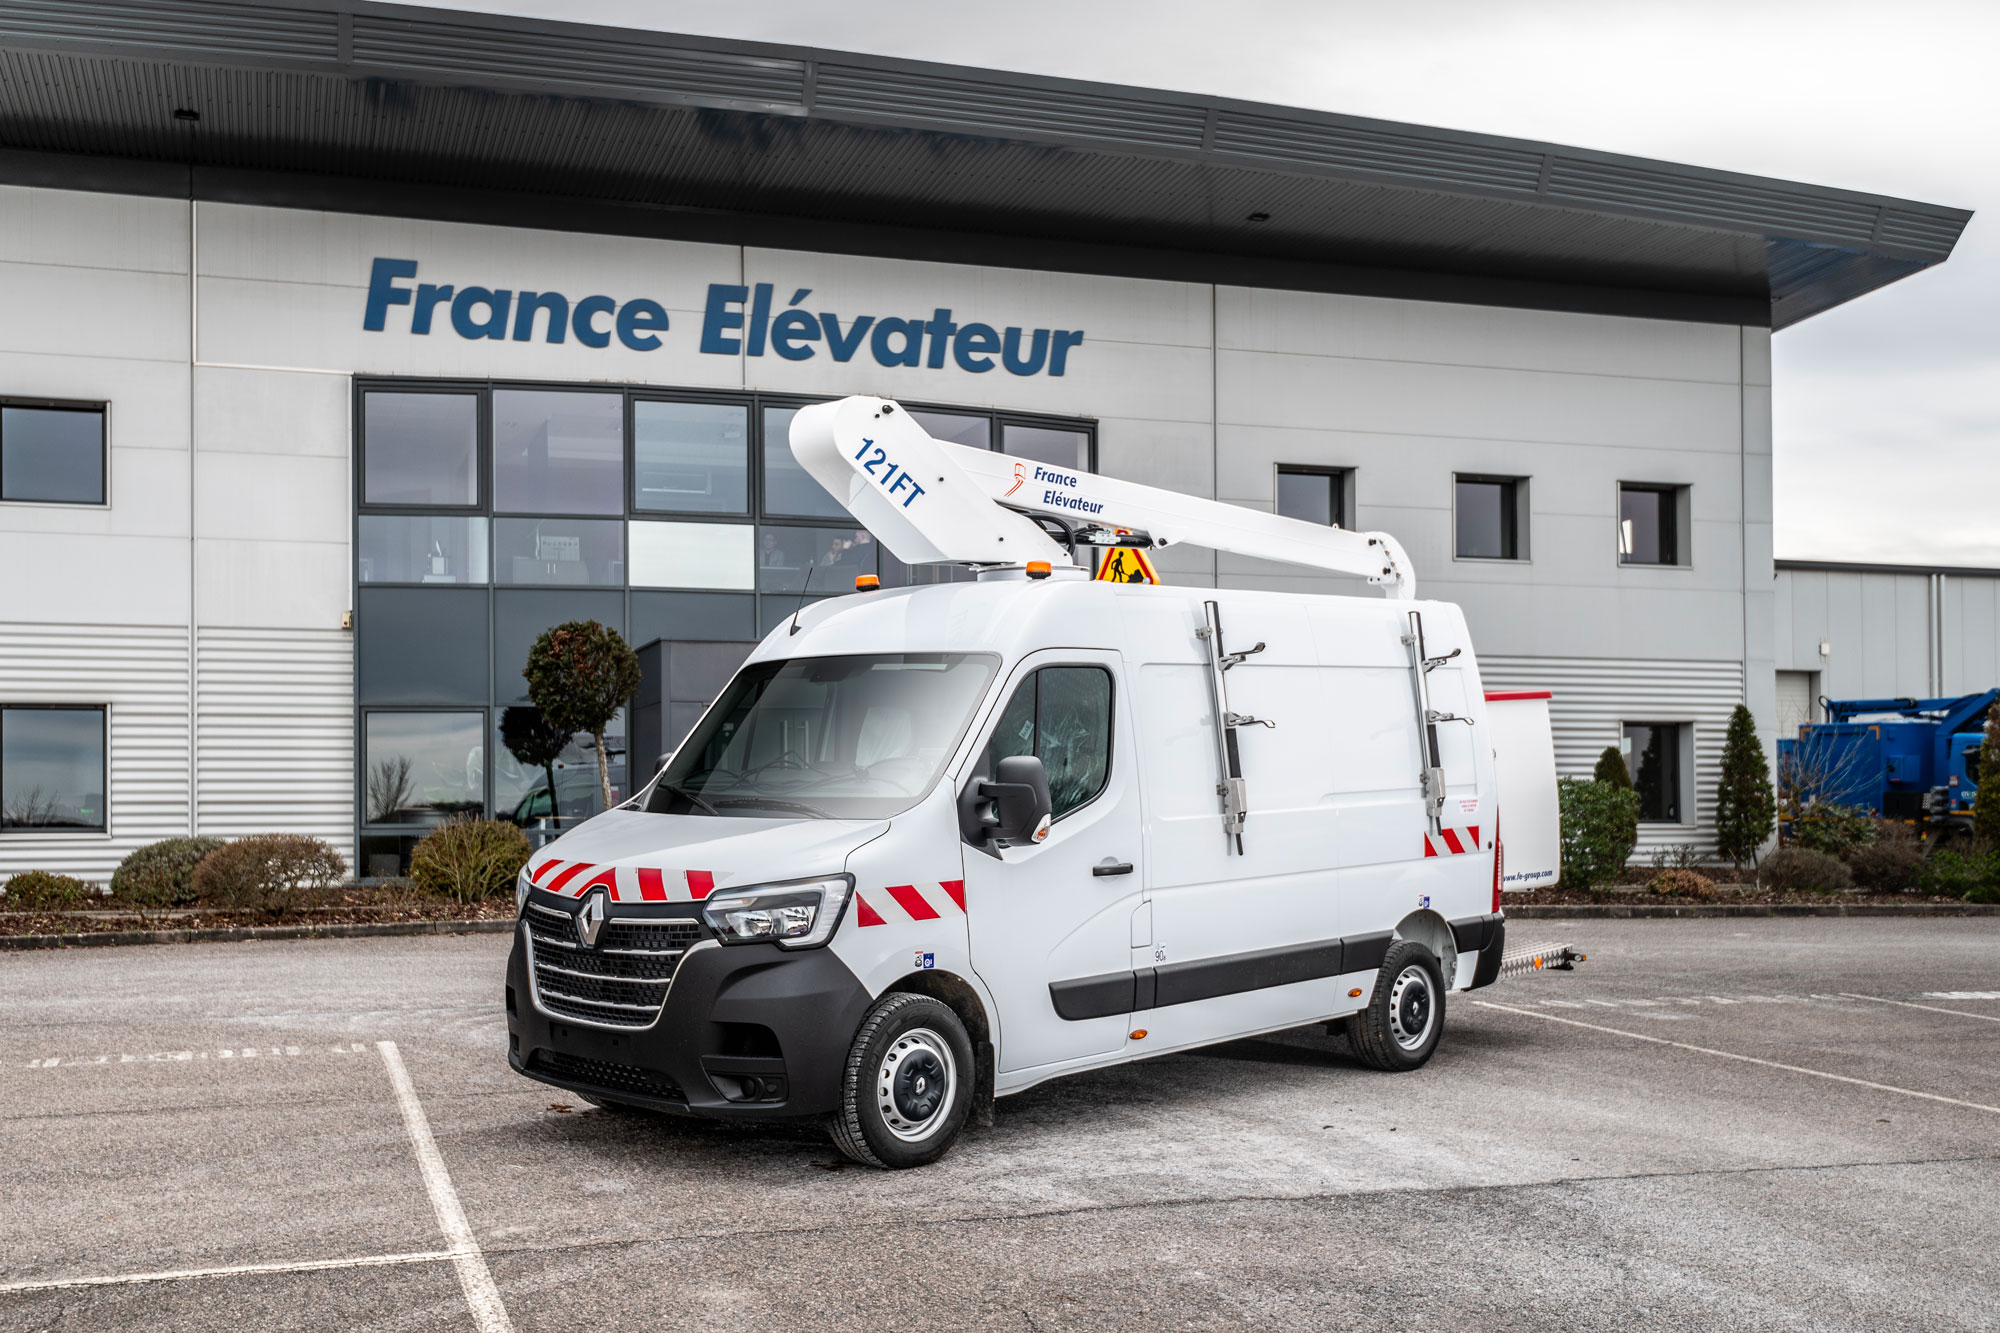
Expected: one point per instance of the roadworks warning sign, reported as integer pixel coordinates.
(1126, 564)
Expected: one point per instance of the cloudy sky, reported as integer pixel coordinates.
(1887, 409)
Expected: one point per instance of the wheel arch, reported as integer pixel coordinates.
(1431, 930)
(964, 999)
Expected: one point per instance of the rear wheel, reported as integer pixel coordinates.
(907, 1087)
(1403, 1021)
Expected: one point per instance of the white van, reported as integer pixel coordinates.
(935, 845)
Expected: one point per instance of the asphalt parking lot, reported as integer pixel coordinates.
(1712, 1124)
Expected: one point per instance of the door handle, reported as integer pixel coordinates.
(1110, 867)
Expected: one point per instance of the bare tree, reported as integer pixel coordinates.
(33, 808)
(390, 787)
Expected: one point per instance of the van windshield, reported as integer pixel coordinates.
(859, 737)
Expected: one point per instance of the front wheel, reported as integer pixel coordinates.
(907, 1087)
(1403, 1021)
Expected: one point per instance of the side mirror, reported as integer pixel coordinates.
(1012, 806)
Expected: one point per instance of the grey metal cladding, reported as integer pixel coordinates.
(458, 51)
(1931, 233)
(1008, 109)
(1687, 196)
(1416, 158)
(193, 27)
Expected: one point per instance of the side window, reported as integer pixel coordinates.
(1061, 715)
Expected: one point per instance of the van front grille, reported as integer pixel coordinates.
(621, 983)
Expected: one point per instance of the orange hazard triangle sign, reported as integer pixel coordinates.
(1126, 564)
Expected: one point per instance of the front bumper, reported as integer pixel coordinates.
(747, 1031)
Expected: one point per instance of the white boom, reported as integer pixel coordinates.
(931, 502)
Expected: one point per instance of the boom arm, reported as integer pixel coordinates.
(936, 503)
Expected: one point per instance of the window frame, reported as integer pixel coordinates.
(482, 448)
(1683, 760)
(1680, 531)
(752, 446)
(103, 411)
(982, 769)
(1514, 521)
(362, 712)
(101, 830)
(1339, 483)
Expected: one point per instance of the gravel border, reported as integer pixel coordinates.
(106, 938)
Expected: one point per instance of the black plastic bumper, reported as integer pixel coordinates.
(748, 1031)
(1487, 971)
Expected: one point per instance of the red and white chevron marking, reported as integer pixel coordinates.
(1452, 841)
(626, 884)
(900, 904)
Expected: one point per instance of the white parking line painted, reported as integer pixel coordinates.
(232, 1053)
(1746, 1059)
(474, 1278)
(233, 1270)
(1962, 994)
(1928, 1008)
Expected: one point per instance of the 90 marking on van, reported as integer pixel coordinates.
(895, 480)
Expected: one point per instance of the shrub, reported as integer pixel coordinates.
(470, 859)
(1986, 810)
(1894, 861)
(1676, 856)
(1973, 874)
(1600, 825)
(161, 874)
(1746, 809)
(1822, 826)
(38, 890)
(1682, 883)
(1801, 869)
(1611, 769)
(271, 872)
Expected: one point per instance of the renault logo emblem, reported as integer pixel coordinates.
(590, 919)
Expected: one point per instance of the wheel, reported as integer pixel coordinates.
(907, 1087)
(1400, 1027)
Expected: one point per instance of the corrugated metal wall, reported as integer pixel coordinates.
(1594, 697)
(141, 674)
(276, 734)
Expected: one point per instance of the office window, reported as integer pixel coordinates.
(955, 427)
(788, 488)
(52, 455)
(419, 448)
(558, 452)
(521, 776)
(1653, 759)
(426, 548)
(559, 550)
(423, 768)
(1649, 525)
(1489, 519)
(693, 555)
(1314, 495)
(51, 769)
(691, 457)
(831, 558)
(1047, 444)
(1062, 715)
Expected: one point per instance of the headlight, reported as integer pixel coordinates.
(797, 916)
(521, 886)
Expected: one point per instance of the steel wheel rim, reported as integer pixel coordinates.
(1412, 1007)
(916, 1084)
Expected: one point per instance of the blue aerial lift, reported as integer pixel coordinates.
(1911, 759)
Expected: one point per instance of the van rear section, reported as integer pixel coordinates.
(1524, 753)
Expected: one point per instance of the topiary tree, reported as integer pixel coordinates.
(579, 675)
(1986, 804)
(1599, 827)
(534, 741)
(1746, 807)
(1611, 769)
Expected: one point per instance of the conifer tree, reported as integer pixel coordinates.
(1746, 809)
(1611, 768)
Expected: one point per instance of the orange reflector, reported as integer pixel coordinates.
(1538, 964)
(1138, 1034)
(1354, 994)
(1038, 569)
(866, 582)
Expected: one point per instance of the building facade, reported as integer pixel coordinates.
(295, 474)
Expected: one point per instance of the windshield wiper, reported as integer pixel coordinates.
(775, 804)
(694, 798)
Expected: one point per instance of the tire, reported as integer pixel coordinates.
(1400, 1028)
(907, 1087)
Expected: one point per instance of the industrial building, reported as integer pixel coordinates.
(351, 345)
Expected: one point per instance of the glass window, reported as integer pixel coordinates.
(1653, 759)
(855, 737)
(419, 448)
(52, 454)
(422, 645)
(51, 768)
(1487, 526)
(817, 560)
(559, 550)
(789, 488)
(692, 457)
(1062, 715)
(531, 759)
(557, 452)
(1311, 495)
(522, 615)
(430, 548)
(1648, 526)
(955, 427)
(693, 555)
(423, 768)
(1046, 444)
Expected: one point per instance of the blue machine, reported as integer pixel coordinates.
(1910, 759)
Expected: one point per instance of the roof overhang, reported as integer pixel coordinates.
(425, 112)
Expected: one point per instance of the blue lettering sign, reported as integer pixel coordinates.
(498, 313)
(887, 475)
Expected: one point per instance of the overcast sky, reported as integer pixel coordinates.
(1887, 408)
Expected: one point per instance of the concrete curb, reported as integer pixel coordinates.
(108, 938)
(1641, 911)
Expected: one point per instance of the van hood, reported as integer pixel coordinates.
(644, 857)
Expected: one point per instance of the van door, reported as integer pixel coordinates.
(1061, 911)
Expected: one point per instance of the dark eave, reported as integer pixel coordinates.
(435, 113)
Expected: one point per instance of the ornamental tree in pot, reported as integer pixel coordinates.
(579, 675)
